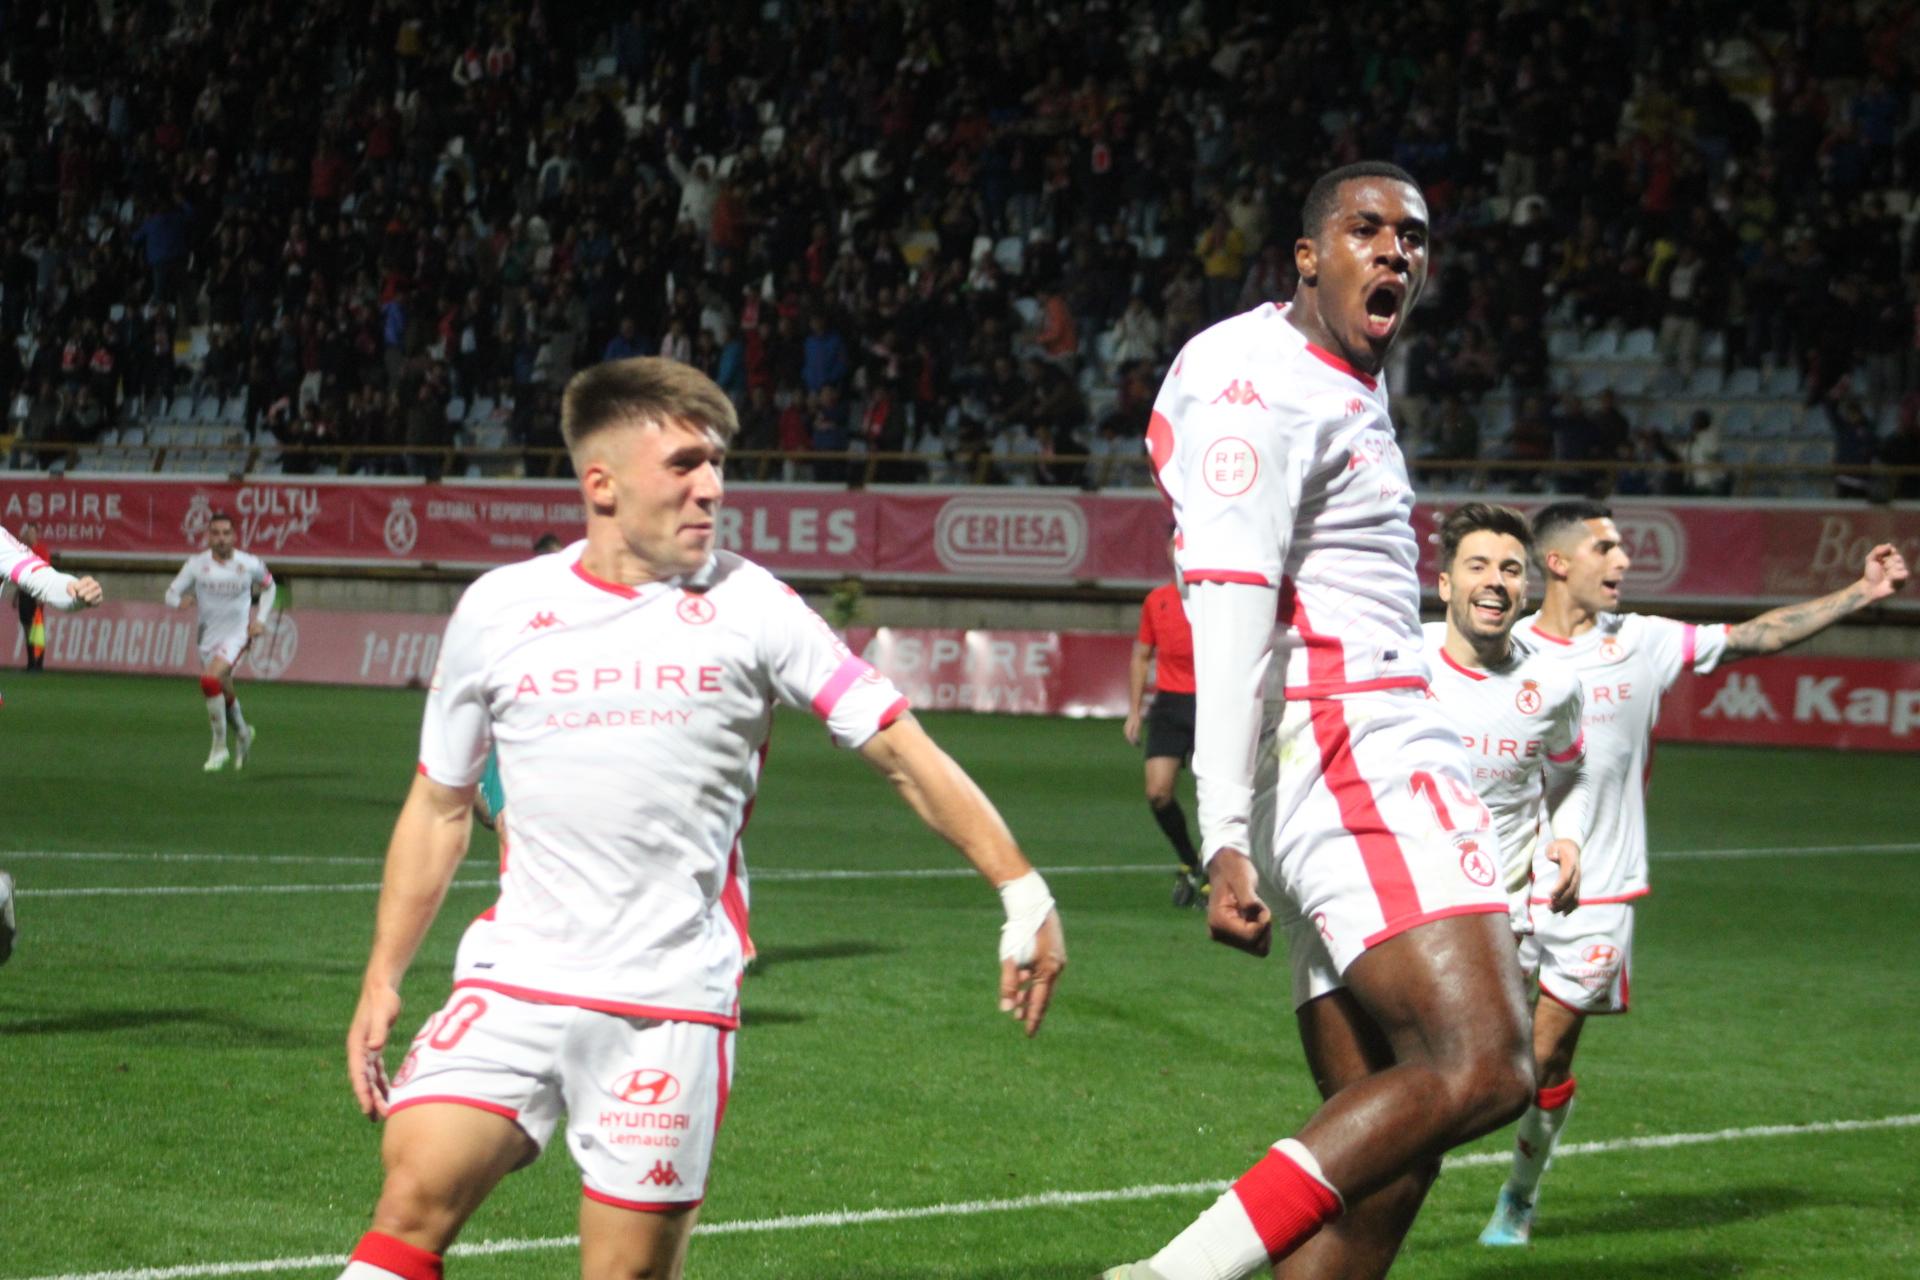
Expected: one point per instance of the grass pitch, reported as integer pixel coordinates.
(175, 1103)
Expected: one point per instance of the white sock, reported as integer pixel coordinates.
(217, 720)
(367, 1271)
(233, 714)
(1220, 1244)
(1533, 1144)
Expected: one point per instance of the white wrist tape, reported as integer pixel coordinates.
(1027, 903)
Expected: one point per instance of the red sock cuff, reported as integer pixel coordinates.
(1554, 1097)
(210, 687)
(1285, 1203)
(405, 1260)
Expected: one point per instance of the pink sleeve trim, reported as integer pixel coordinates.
(1689, 641)
(837, 685)
(27, 566)
(894, 712)
(1228, 575)
(1572, 753)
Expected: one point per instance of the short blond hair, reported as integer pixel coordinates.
(646, 390)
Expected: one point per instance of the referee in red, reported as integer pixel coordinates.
(1165, 640)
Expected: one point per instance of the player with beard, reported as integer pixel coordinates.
(1627, 662)
(1324, 772)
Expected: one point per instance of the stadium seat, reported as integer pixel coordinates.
(1737, 423)
(1011, 253)
(1637, 345)
(1629, 380)
(1563, 344)
(1775, 421)
(1030, 311)
(1706, 381)
(1744, 382)
(456, 410)
(1784, 381)
(1592, 381)
(1601, 344)
(1713, 348)
(772, 138)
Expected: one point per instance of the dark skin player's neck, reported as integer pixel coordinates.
(1304, 315)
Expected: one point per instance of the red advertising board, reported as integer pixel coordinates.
(1787, 701)
(1684, 551)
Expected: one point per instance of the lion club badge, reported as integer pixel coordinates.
(1611, 649)
(402, 530)
(1528, 699)
(695, 609)
(193, 525)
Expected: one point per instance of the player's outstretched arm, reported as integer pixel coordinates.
(1885, 572)
(1033, 948)
(428, 842)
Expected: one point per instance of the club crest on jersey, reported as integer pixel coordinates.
(1528, 699)
(1230, 466)
(1611, 650)
(1239, 392)
(1474, 861)
(695, 610)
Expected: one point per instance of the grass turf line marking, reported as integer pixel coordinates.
(972, 1208)
(770, 876)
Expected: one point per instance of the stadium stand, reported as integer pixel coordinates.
(945, 222)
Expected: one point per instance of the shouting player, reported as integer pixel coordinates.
(1324, 771)
(224, 582)
(22, 568)
(1627, 662)
(630, 686)
(1165, 642)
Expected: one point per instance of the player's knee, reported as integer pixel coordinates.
(1159, 797)
(1500, 1086)
(210, 686)
(409, 1209)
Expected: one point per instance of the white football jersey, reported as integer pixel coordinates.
(631, 725)
(1520, 723)
(1626, 663)
(223, 591)
(1280, 462)
(29, 573)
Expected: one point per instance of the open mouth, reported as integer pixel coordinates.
(1490, 609)
(1610, 585)
(1383, 307)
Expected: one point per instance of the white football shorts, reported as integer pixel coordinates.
(643, 1098)
(1583, 958)
(229, 645)
(1365, 822)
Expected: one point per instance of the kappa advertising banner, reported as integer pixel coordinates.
(1855, 703)
(1683, 551)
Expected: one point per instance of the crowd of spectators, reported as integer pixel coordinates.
(975, 234)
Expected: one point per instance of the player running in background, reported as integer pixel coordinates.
(1323, 769)
(630, 689)
(1166, 641)
(224, 582)
(22, 568)
(1627, 662)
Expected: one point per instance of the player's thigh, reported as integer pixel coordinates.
(1447, 990)
(217, 658)
(633, 1244)
(442, 1160)
(645, 1100)
(1342, 1042)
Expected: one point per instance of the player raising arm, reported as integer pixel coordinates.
(28, 573)
(629, 689)
(224, 582)
(1627, 662)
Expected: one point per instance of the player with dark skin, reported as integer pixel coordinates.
(1426, 1046)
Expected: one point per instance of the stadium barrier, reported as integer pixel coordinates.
(1855, 704)
(1685, 551)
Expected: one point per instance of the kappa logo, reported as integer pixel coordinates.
(540, 622)
(1356, 406)
(1741, 698)
(1475, 862)
(1601, 955)
(694, 609)
(663, 1174)
(1239, 392)
(647, 1087)
(1528, 699)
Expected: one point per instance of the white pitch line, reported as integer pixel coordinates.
(974, 1208)
(772, 875)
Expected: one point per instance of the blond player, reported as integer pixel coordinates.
(1323, 771)
(224, 583)
(1626, 663)
(629, 684)
(24, 571)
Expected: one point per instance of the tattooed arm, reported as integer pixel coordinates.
(1773, 631)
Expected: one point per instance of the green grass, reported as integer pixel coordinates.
(174, 1093)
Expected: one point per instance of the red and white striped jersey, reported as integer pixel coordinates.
(1520, 724)
(20, 566)
(631, 724)
(1280, 462)
(1626, 663)
(223, 591)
